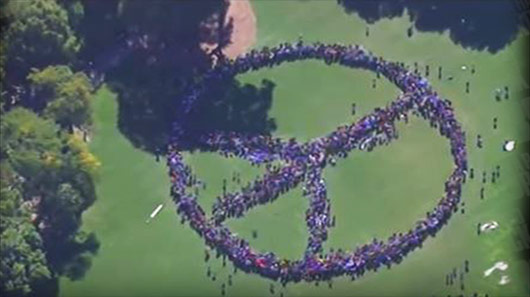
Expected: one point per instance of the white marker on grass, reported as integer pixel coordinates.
(501, 265)
(509, 145)
(504, 280)
(155, 212)
(489, 226)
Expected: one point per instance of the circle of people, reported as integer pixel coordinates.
(303, 163)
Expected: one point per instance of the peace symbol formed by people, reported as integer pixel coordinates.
(302, 164)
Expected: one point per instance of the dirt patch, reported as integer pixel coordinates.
(244, 31)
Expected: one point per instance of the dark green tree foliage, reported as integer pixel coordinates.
(64, 96)
(45, 188)
(22, 259)
(38, 35)
(3, 47)
(10, 197)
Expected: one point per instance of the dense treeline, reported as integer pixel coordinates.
(53, 55)
(47, 172)
(48, 50)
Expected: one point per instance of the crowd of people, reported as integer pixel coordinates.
(303, 163)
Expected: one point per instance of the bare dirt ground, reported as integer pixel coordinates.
(244, 29)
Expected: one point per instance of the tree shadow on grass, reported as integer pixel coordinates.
(479, 25)
(74, 257)
(229, 106)
(71, 259)
(149, 76)
(146, 114)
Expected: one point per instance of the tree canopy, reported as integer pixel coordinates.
(46, 184)
(39, 34)
(64, 96)
(147, 54)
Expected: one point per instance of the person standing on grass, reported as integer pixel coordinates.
(498, 95)
(498, 171)
(157, 154)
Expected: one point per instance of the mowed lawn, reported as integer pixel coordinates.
(373, 194)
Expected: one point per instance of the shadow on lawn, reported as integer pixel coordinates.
(146, 114)
(479, 25)
(150, 76)
(229, 106)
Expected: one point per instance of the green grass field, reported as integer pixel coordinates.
(372, 194)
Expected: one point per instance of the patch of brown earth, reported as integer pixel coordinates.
(244, 31)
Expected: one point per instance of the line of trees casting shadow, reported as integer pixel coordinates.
(47, 172)
(480, 25)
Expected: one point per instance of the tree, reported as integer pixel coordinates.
(51, 163)
(72, 106)
(83, 159)
(10, 197)
(64, 96)
(38, 34)
(49, 183)
(22, 261)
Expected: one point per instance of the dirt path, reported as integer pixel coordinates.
(244, 28)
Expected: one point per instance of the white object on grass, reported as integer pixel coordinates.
(155, 212)
(509, 145)
(489, 226)
(464, 67)
(504, 280)
(501, 265)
